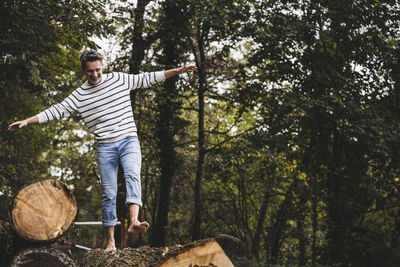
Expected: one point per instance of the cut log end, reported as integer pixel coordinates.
(43, 210)
(202, 253)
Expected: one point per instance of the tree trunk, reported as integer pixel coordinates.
(138, 43)
(43, 211)
(199, 55)
(276, 234)
(260, 226)
(314, 231)
(169, 123)
(301, 235)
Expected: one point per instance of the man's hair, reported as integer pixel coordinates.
(90, 55)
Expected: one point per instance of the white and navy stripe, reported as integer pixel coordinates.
(105, 107)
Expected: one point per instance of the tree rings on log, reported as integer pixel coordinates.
(202, 253)
(41, 256)
(43, 211)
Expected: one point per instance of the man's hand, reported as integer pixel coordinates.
(185, 69)
(180, 70)
(17, 125)
(21, 124)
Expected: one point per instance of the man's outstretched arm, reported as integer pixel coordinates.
(21, 124)
(180, 70)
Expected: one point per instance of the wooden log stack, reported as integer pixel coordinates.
(44, 210)
(204, 253)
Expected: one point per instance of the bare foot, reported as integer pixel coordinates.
(110, 247)
(138, 227)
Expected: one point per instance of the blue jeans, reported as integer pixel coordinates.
(126, 151)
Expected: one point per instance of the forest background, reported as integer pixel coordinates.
(286, 137)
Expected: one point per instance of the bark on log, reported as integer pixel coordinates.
(43, 210)
(202, 253)
(41, 256)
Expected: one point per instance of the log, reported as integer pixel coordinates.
(41, 256)
(43, 210)
(202, 253)
(206, 253)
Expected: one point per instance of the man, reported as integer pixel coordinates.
(103, 102)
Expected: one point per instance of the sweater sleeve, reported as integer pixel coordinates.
(146, 79)
(60, 110)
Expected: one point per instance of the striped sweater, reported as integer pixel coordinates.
(105, 107)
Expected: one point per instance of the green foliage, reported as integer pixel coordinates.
(321, 84)
(299, 107)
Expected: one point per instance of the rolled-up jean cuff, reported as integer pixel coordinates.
(109, 223)
(133, 200)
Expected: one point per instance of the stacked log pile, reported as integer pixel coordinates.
(43, 211)
(205, 253)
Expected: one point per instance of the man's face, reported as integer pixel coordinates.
(94, 71)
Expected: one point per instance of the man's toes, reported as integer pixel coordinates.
(139, 228)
